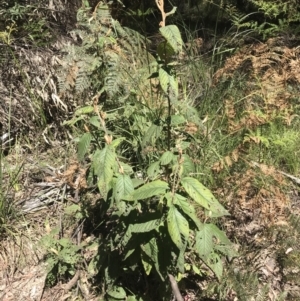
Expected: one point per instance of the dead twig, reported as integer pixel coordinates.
(175, 288)
(72, 282)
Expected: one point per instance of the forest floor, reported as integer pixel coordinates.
(263, 196)
(262, 226)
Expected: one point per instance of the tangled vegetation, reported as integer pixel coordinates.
(156, 144)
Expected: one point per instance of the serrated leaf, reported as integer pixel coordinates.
(72, 121)
(116, 142)
(126, 168)
(139, 228)
(196, 270)
(152, 134)
(177, 119)
(168, 84)
(180, 259)
(226, 250)
(198, 192)
(107, 164)
(172, 34)
(188, 165)
(151, 189)
(96, 164)
(173, 90)
(146, 264)
(220, 235)
(204, 241)
(215, 264)
(166, 158)
(137, 182)
(192, 115)
(216, 210)
(165, 51)
(94, 120)
(187, 208)
(83, 145)
(84, 110)
(203, 196)
(117, 292)
(145, 227)
(164, 80)
(123, 187)
(153, 170)
(131, 251)
(131, 298)
(151, 250)
(184, 144)
(92, 267)
(178, 227)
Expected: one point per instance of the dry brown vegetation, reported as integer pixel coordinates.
(41, 176)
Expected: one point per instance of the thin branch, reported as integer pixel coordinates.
(175, 288)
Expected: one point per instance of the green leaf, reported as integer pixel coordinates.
(165, 51)
(74, 210)
(196, 270)
(106, 165)
(137, 182)
(204, 241)
(94, 120)
(220, 235)
(203, 196)
(172, 34)
(96, 163)
(177, 120)
(207, 238)
(145, 227)
(215, 264)
(139, 228)
(216, 210)
(178, 227)
(126, 167)
(169, 84)
(116, 142)
(132, 298)
(192, 115)
(183, 144)
(164, 79)
(196, 191)
(188, 165)
(130, 252)
(117, 292)
(187, 208)
(166, 158)
(83, 145)
(152, 134)
(146, 264)
(153, 170)
(92, 267)
(84, 110)
(123, 187)
(226, 250)
(151, 189)
(180, 260)
(73, 120)
(151, 250)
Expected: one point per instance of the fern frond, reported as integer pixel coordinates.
(111, 57)
(113, 80)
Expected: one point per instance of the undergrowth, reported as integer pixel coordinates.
(160, 134)
(140, 137)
